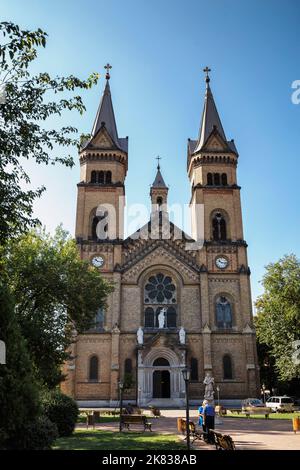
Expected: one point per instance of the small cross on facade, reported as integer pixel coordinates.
(107, 67)
(207, 70)
(158, 166)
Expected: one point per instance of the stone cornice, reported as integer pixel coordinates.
(215, 188)
(103, 155)
(225, 243)
(83, 184)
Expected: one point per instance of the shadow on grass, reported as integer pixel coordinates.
(108, 440)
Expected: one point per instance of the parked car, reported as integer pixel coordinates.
(280, 404)
(254, 406)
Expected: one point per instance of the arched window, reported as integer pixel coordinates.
(223, 313)
(224, 179)
(216, 179)
(108, 177)
(194, 369)
(219, 227)
(93, 369)
(227, 367)
(97, 232)
(94, 227)
(128, 366)
(99, 320)
(149, 317)
(160, 294)
(159, 201)
(101, 177)
(171, 317)
(93, 176)
(209, 179)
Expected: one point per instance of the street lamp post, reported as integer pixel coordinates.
(186, 377)
(121, 386)
(264, 391)
(218, 392)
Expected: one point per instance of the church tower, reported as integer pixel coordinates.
(159, 191)
(103, 167)
(225, 278)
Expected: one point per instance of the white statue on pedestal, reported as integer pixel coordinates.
(161, 318)
(140, 335)
(182, 335)
(209, 387)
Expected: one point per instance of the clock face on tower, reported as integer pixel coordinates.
(97, 261)
(221, 262)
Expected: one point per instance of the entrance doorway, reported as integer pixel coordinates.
(161, 380)
(161, 384)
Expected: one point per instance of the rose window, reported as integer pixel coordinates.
(160, 289)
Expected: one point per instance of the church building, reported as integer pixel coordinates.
(179, 300)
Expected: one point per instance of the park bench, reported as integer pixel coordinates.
(141, 420)
(195, 434)
(222, 441)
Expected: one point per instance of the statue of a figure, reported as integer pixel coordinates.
(182, 335)
(140, 335)
(161, 318)
(209, 387)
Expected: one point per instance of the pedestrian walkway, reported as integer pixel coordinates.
(247, 434)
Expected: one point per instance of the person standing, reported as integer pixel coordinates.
(201, 416)
(208, 419)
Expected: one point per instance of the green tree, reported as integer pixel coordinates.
(26, 103)
(56, 292)
(19, 391)
(278, 315)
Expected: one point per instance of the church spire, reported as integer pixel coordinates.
(105, 115)
(159, 189)
(159, 181)
(210, 116)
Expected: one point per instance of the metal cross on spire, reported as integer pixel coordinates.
(158, 165)
(207, 70)
(107, 67)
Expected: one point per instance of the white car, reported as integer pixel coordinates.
(280, 403)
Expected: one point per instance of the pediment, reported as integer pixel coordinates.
(102, 140)
(215, 143)
(159, 254)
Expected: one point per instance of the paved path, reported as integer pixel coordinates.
(250, 434)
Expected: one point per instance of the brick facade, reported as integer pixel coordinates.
(198, 281)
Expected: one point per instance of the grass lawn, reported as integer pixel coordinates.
(109, 440)
(271, 416)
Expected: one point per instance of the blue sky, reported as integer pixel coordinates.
(158, 49)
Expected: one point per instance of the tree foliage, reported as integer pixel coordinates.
(56, 292)
(19, 391)
(26, 103)
(278, 318)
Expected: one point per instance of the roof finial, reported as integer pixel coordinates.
(207, 70)
(158, 165)
(107, 67)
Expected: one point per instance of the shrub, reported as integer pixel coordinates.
(61, 410)
(37, 435)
